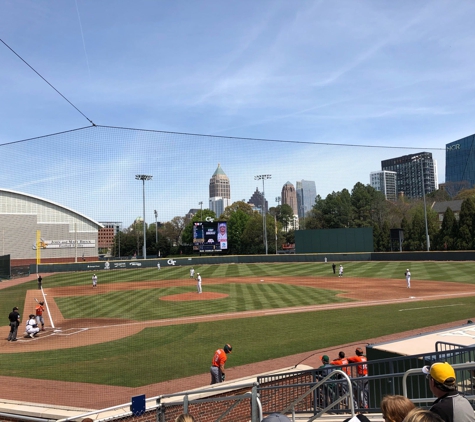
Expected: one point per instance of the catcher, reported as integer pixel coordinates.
(31, 326)
(39, 315)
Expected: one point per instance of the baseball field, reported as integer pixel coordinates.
(142, 327)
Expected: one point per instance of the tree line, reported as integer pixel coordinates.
(362, 207)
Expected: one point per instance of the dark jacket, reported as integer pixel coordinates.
(452, 407)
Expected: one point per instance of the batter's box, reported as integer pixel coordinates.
(69, 331)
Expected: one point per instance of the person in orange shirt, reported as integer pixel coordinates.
(361, 371)
(39, 315)
(341, 361)
(217, 364)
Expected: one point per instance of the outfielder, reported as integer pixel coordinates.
(340, 271)
(94, 281)
(192, 272)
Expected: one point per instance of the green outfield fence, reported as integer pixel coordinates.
(254, 259)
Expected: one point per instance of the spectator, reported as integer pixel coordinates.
(422, 415)
(276, 417)
(450, 405)
(396, 408)
(185, 417)
(360, 417)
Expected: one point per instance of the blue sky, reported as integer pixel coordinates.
(320, 73)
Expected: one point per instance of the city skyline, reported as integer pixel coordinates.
(319, 91)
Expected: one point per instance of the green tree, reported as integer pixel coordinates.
(234, 207)
(466, 225)
(446, 238)
(237, 223)
(362, 198)
(252, 236)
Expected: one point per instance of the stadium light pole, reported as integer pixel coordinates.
(156, 227)
(264, 177)
(201, 215)
(143, 178)
(425, 206)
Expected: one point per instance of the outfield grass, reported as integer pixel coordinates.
(162, 353)
(241, 297)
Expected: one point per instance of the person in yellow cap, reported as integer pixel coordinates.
(450, 405)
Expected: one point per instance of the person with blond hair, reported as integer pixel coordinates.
(422, 415)
(395, 408)
(185, 417)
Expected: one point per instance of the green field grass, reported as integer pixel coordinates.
(163, 353)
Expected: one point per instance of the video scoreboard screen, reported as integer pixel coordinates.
(210, 236)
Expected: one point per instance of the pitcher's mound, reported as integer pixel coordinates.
(194, 296)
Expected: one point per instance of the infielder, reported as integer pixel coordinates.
(408, 278)
(198, 282)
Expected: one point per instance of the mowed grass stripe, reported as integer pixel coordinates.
(151, 354)
(145, 304)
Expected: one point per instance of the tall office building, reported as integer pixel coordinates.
(219, 192)
(289, 197)
(385, 182)
(460, 165)
(257, 201)
(306, 194)
(416, 173)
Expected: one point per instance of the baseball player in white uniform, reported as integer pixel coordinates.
(340, 271)
(198, 282)
(408, 278)
(192, 272)
(94, 281)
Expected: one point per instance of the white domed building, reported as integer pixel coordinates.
(33, 228)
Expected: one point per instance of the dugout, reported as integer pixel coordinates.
(455, 345)
(334, 240)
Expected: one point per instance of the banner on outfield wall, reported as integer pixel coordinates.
(255, 259)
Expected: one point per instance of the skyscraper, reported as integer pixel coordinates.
(416, 173)
(306, 194)
(289, 197)
(257, 201)
(460, 165)
(385, 182)
(219, 191)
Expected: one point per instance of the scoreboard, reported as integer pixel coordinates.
(210, 236)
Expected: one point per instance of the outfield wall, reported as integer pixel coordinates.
(254, 259)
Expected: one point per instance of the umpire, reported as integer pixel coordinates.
(14, 318)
